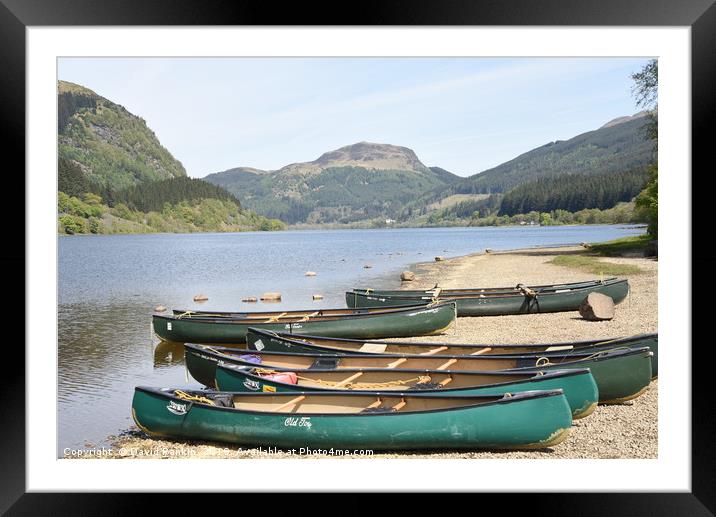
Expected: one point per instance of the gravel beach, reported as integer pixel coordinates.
(616, 431)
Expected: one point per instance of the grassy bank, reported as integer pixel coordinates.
(635, 245)
(594, 265)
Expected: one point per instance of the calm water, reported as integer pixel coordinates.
(109, 285)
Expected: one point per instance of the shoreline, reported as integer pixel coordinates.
(331, 228)
(629, 430)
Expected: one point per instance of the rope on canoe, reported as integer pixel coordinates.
(543, 361)
(527, 291)
(352, 385)
(185, 313)
(185, 396)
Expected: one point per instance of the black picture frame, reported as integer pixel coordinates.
(700, 15)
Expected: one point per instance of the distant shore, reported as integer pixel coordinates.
(619, 431)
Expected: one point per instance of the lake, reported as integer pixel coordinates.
(109, 286)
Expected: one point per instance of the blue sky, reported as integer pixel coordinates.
(463, 114)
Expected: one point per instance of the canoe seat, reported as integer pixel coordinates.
(376, 348)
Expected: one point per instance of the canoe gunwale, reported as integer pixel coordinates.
(503, 399)
(596, 356)
(350, 313)
(486, 295)
(306, 340)
(538, 376)
(481, 290)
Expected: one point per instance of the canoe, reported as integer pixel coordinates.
(578, 385)
(523, 301)
(269, 341)
(227, 328)
(480, 290)
(355, 422)
(621, 374)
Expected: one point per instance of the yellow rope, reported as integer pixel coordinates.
(185, 396)
(352, 385)
(185, 313)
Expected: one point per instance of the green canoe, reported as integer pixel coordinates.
(578, 385)
(270, 341)
(422, 320)
(481, 290)
(524, 301)
(354, 422)
(621, 374)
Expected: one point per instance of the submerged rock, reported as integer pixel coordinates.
(201, 298)
(270, 296)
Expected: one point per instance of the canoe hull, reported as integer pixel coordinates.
(312, 345)
(540, 421)
(422, 321)
(501, 305)
(619, 375)
(580, 388)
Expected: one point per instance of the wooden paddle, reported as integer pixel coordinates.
(291, 402)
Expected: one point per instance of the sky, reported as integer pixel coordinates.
(465, 115)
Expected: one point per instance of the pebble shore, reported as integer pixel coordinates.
(629, 430)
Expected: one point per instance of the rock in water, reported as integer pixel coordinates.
(250, 299)
(488, 250)
(201, 298)
(270, 296)
(597, 307)
(160, 308)
(407, 276)
(367, 266)
(318, 297)
(310, 273)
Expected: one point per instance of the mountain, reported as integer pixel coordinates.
(354, 183)
(115, 177)
(112, 147)
(619, 145)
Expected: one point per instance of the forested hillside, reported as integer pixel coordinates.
(612, 148)
(115, 177)
(112, 147)
(574, 192)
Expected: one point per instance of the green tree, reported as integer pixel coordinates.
(646, 92)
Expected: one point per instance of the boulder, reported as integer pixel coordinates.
(367, 266)
(488, 250)
(318, 297)
(250, 299)
(201, 298)
(439, 258)
(270, 296)
(160, 308)
(407, 276)
(597, 307)
(310, 273)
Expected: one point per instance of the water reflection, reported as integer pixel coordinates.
(168, 353)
